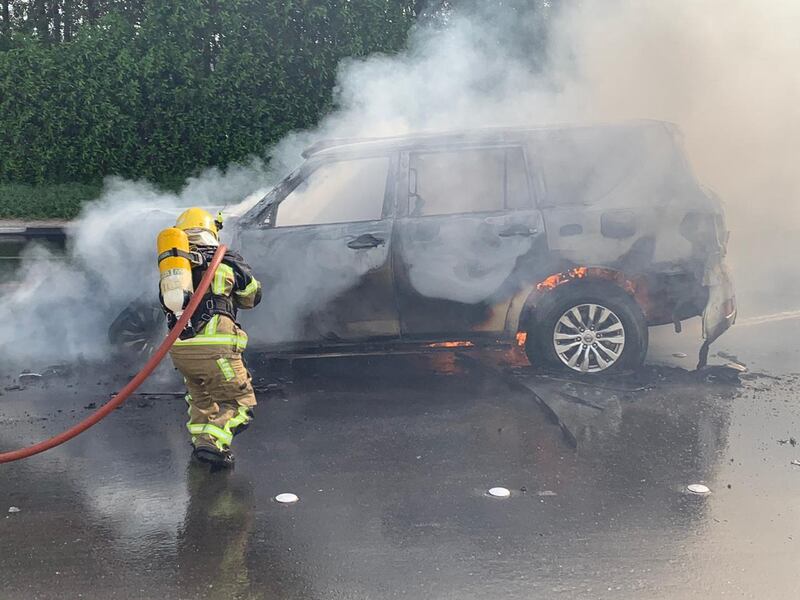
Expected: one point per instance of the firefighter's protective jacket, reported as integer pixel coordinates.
(214, 323)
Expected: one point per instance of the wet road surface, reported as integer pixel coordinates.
(391, 458)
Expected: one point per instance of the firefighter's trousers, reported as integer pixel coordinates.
(220, 393)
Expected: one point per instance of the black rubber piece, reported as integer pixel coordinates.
(539, 345)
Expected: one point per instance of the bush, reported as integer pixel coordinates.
(57, 201)
(175, 87)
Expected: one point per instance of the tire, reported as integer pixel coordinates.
(138, 330)
(588, 328)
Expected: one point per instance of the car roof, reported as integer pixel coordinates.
(369, 145)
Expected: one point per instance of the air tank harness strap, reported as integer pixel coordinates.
(176, 252)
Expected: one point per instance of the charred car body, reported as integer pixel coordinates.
(574, 239)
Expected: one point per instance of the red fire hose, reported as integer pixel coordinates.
(134, 383)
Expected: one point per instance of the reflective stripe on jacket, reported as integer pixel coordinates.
(232, 287)
(221, 334)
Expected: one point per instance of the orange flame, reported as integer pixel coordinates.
(455, 344)
(521, 337)
(550, 282)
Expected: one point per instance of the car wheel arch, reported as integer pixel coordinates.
(587, 292)
(552, 288)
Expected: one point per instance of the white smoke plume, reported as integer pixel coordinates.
(60, 310)
(724, 71)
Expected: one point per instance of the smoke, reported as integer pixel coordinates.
(61, 308)
(724, 71)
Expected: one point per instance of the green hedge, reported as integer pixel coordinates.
(157, 90)
(183, 86)
(58, 201)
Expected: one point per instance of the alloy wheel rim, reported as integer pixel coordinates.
(589, 338)
(141, 334)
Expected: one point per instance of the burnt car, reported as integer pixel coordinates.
(571, 240)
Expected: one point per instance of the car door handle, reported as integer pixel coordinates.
(365, 241)
(518, 230)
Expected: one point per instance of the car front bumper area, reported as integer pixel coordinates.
(720, 311)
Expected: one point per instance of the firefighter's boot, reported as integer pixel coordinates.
(205, 450)
(240, 428)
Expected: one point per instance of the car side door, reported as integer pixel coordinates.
(467, 234)
(321, 249)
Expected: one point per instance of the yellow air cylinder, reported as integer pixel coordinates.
(175, 269)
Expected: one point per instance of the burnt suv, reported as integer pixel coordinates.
(569, 239)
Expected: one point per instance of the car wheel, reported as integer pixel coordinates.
(138, 330)
(589, 328)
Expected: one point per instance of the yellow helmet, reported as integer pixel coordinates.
(196, 218)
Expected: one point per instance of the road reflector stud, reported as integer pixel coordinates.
(286, 498)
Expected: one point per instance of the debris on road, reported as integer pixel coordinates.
(728, 356)
(58, 370)
(679, 354)
(13, 509)
(29, 376)
(698, 489)
(270, 388)
(512, 381)
(577, 400)
(726, 373)
(796, 463)
(576, 381)
(499, 492)
(736, 366)
(546, 493)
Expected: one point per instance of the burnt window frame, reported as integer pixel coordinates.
(403, 194)
(263, 214)
(542, 142)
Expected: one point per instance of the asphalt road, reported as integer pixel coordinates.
(392, 457)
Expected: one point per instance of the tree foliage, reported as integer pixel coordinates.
(54, 201)
(153, 89)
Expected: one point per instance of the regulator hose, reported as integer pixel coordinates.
(134, 383)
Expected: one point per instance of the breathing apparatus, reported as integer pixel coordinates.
(175, 267)
(175, 257)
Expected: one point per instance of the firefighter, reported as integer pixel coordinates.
(209, 352)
